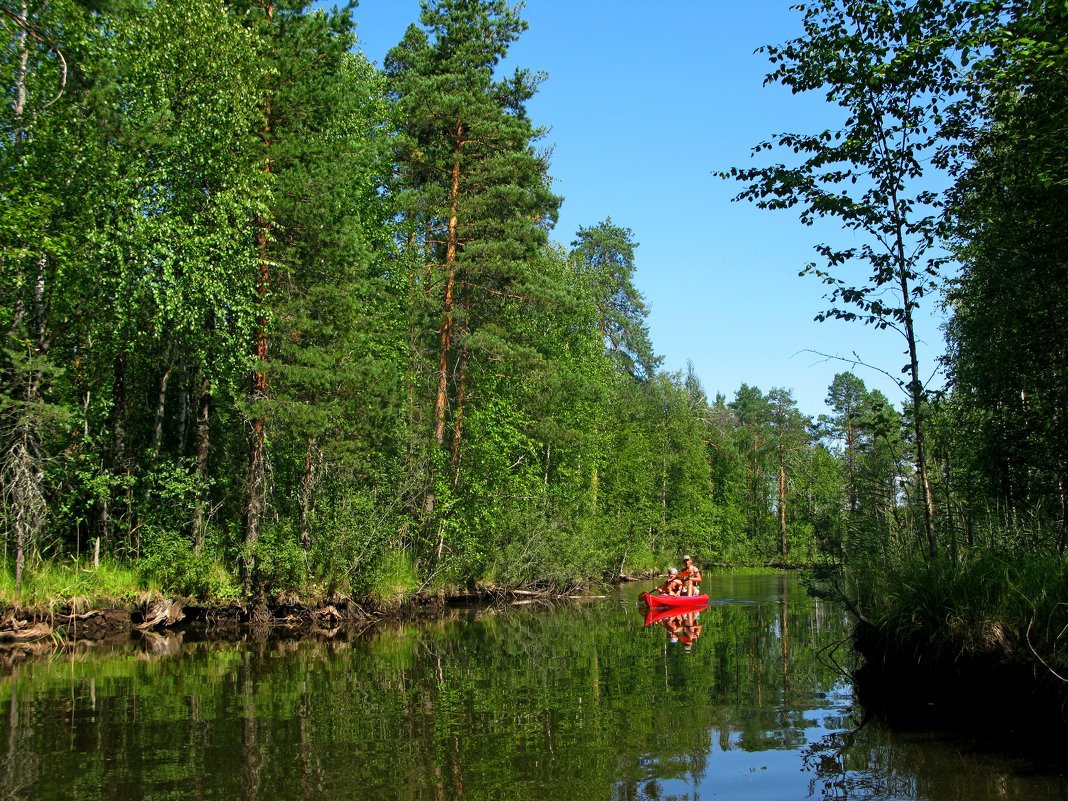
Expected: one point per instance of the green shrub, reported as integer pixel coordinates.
(281, 565)
(169, 559)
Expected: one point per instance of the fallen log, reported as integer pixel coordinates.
(26, 633)
(164, 612)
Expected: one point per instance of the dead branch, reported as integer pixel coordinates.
(1045, 664)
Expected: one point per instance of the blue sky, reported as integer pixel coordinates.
(646, 101)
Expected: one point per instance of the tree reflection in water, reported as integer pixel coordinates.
(578, 701)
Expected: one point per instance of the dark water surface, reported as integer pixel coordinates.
(528, 702)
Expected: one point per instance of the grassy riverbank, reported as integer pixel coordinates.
(76, 585)
(984, 604)
(970, 637)
(55, 590)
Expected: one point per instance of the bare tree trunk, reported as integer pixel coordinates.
(22, 463)
(19, 469)
(851, 463)
(18, 108)
(307, 494)
(161, 405)
(183, 406)
(782, 506)
(23, 479)
(915, 389)
(118, 413)
(203, 446)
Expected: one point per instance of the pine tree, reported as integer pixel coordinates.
(475, 201)
(604, 255)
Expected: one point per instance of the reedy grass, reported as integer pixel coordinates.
(1014, 607)
(747, 570)
(394, 580)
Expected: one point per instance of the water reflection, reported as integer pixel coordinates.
(573, 702)
(683, 625)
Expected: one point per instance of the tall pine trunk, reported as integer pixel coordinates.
(257, 471)
(445, 330)
(782, 506)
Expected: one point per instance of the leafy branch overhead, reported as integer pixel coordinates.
(892, 70)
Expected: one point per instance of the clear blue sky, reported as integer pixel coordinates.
(645, 101)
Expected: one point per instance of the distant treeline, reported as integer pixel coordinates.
(275, 320)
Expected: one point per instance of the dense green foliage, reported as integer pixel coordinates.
(275, 321)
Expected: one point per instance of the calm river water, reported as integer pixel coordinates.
(579, 702)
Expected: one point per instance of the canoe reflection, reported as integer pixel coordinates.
(683, 627)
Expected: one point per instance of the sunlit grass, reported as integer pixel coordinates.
(75, 584)
(394, 578)
(743, 570)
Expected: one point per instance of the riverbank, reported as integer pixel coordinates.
(74, 620)
(908, 683)
(66, 601)
(972, 645)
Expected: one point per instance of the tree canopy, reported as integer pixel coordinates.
(278, 321)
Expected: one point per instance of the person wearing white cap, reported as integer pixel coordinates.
(673, 586)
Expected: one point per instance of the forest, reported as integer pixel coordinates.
(276, 321)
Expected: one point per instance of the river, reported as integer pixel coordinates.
(536, 701)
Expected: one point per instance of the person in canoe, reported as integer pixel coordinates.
(690, 577)
(674, 585)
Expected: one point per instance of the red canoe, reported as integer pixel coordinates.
(675, 601)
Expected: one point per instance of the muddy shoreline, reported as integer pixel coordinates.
(63, 624)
